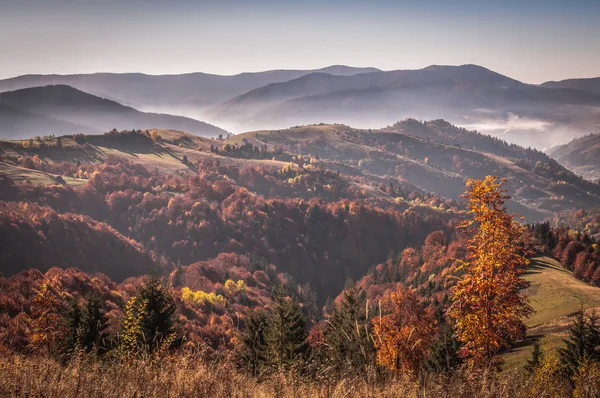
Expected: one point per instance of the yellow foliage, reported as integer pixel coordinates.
(234, 287)
(131, 331)
(45, 327)
(587, 379)
(546, 379)
(200, 297)
(487, 301)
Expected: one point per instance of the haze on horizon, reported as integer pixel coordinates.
(533, 41)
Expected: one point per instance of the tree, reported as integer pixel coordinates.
(347, 336)
(536, 358)
(149, 318)
(444, 352)
(185, 160)
(583, 343)
(403, 336)
(253, 352)
(73, 320)
(487, 301)
(286, 335)
(93, 324)
(47, 327)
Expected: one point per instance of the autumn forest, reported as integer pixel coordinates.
(313, 261)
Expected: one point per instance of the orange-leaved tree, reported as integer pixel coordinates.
(46, 326)
(403, 336)
(488, 304)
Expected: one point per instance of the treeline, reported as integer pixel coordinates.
(577, 251)
(249, 151)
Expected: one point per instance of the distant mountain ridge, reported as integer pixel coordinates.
(191, 90)
(471, 96)
(62, 109)
(466, 95)
(582, 156)
(590, 85)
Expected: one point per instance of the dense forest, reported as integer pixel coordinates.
(280, 270)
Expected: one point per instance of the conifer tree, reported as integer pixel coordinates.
(444, 352)
(73, 321)
(347, 336)
(286, 335)
(158, 322)
(536, 358)
(254, 344)
(149, 318)
(93, 324)
(583, 343)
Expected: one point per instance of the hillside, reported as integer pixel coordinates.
(468, 95)
(17, 123)
(540, 185)
(582, 156)
(73, 111)
(591, 85)
(37, 235)
(555, 296)
(181, 94)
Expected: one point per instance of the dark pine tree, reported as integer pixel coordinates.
(443, 354)
(536, 358)
(93, 324)
(158, 322)
(583, 343)
(347, 335)
(286, 335)
(253, 353)
(73, 321)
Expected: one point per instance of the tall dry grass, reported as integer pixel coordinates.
(195, 376)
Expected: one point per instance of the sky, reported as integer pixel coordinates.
(529, 40)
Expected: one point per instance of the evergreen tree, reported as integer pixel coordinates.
(536, 358)
(149, 319)
(93, 324)
(583, 343)
(159, 320)
(286, 335)
(347, 335)
(73, 318)
(444, 352)
(254, 344)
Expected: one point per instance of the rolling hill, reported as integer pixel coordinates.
(468, 95)
(555, 296)
(540, 186)
(188, 94)
(17, 123)
(591, 85)
(582, 156)
(63, 109)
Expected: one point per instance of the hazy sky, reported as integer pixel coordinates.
(530, 40)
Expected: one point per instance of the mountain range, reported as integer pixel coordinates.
(63, 109)
(540, 116)
(191, 92)
(467, 95)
